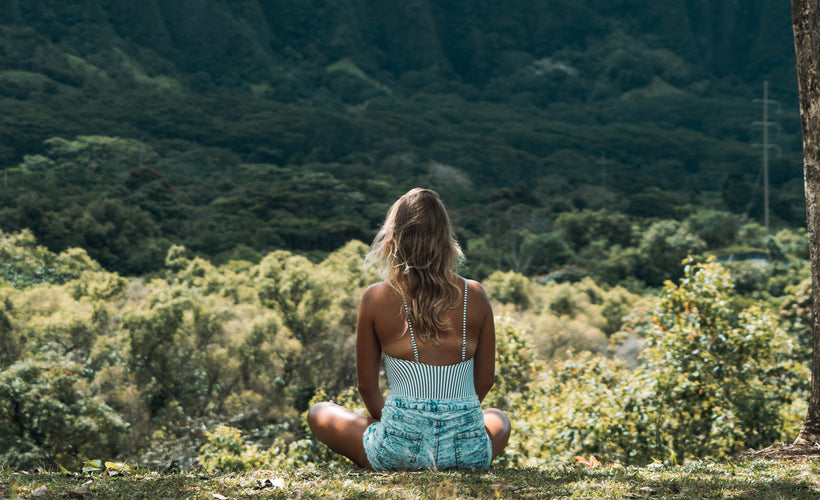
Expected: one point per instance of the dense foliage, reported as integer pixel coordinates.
(715, 379)
(185, 189)
(84, 193)
(136, 368)
(147, 359)
(558, 132)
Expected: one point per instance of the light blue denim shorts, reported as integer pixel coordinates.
(437, 434)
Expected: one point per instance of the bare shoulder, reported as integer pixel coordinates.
(378, 293)
(377, 290)
(476, 293)
(475, 288)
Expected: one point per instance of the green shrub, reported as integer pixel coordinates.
(508, 288)
(48, 415)
(717, 229)
(516, 366)
(581, 228)
(226, 451)
(662, 248)
(560, 337)
(23, 262)
(796, 317)
(713, 381)
(586, 405)
(724, 376)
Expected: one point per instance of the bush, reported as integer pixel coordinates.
(23, 262)
(713, 381)
(796, 317)
(662, 248)
(226, 451)
(509, 288)
(560, 337)
(579, 229)
(586, 405)
(717, 229)
(48, 415)
(722, 378)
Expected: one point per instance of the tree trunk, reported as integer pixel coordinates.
(805, 23)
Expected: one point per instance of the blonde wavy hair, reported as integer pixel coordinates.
(417, 255)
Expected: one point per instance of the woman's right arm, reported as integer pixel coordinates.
(368, 356)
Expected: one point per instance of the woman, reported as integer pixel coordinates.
(435, 331)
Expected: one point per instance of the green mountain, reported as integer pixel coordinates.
(472, 42)
(252, 125)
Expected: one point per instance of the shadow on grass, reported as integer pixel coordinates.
(778, 481)
(758, 480)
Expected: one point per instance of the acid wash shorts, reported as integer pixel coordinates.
(437, 434)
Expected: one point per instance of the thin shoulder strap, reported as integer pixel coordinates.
(412, 337)
(463, 328)
(464, 325)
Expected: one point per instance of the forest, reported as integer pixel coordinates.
(214, 366)
(188, 189)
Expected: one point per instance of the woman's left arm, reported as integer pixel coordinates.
(368, 357)
(484, 375)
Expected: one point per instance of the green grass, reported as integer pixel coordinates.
(752, 480)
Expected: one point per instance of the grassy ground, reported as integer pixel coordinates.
(753, 480)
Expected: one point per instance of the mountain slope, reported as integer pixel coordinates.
(473, 41)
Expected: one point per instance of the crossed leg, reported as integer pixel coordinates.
(342, 430)
(498, 428)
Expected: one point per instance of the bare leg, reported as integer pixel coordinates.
(340, 429)
(498, 428)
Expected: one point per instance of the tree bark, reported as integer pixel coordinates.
(805, 23)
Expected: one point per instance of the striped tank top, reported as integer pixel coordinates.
(419, 380)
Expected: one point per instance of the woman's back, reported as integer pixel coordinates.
(382, 316)
(389, 323)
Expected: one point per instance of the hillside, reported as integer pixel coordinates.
(187, 189)
(257, 41)
(280, 125)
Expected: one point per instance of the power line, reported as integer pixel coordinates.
(766, 146)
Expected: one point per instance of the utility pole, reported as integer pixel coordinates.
(765, 145)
